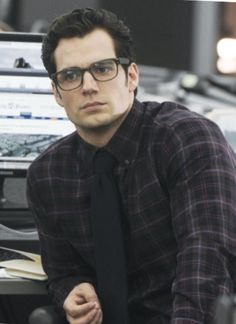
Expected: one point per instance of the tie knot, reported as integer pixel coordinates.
(104, 162)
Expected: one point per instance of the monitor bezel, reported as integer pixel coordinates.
(21, 37)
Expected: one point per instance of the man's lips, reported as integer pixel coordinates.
(92, 104)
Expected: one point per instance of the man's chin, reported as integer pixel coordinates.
(101, 122)
(97, 122)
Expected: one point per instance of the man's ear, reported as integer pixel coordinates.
(133, 76)
(57, 95)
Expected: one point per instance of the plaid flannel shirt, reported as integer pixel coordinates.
(176, 175)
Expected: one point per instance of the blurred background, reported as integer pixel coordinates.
(186, 51)
(174, 34)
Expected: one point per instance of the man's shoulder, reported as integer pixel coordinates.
(55, 152)
(170, 122)
(170, 114)
(168, 111)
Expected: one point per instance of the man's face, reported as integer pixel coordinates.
(94, 105)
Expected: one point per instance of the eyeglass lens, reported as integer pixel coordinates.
(101, 71)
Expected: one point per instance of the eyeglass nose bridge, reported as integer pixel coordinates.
(89, 70)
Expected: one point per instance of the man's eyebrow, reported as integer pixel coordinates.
(70, 68)
(82, 68)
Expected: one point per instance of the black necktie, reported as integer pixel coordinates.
(108, 241)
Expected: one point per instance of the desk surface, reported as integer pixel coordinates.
(22, 287)
(21, 240)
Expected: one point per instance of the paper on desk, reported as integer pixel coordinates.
(24, 268)
(4, 274)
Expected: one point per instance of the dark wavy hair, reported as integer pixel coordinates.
(80, 22)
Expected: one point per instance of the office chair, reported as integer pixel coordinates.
(46, 315)
(225, 310)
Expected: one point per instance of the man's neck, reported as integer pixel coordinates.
(100, 136)
(97, 137)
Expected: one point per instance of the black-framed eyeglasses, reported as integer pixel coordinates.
(104, 70)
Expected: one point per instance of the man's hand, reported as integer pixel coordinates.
(82, 305)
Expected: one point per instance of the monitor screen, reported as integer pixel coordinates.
(30, 118)
(15, 47)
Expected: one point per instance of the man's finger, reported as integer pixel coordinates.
(80, 310)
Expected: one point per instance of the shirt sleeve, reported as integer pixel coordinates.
(64, 266)
(202, 187)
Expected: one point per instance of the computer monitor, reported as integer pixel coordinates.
(30, 118)
(14, 46)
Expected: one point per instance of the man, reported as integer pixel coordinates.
(175, 174)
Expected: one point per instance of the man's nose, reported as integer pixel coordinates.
(89, 83)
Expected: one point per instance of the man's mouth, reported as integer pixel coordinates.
(93, 104)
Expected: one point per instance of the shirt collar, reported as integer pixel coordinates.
(124, 143)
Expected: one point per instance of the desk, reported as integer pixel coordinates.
(26, 241)
(20, 286)
(19, 297)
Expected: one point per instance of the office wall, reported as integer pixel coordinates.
(32, 10)
(162, 30)
(8, 10)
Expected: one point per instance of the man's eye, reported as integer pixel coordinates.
(70, 75)
(102, 68)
